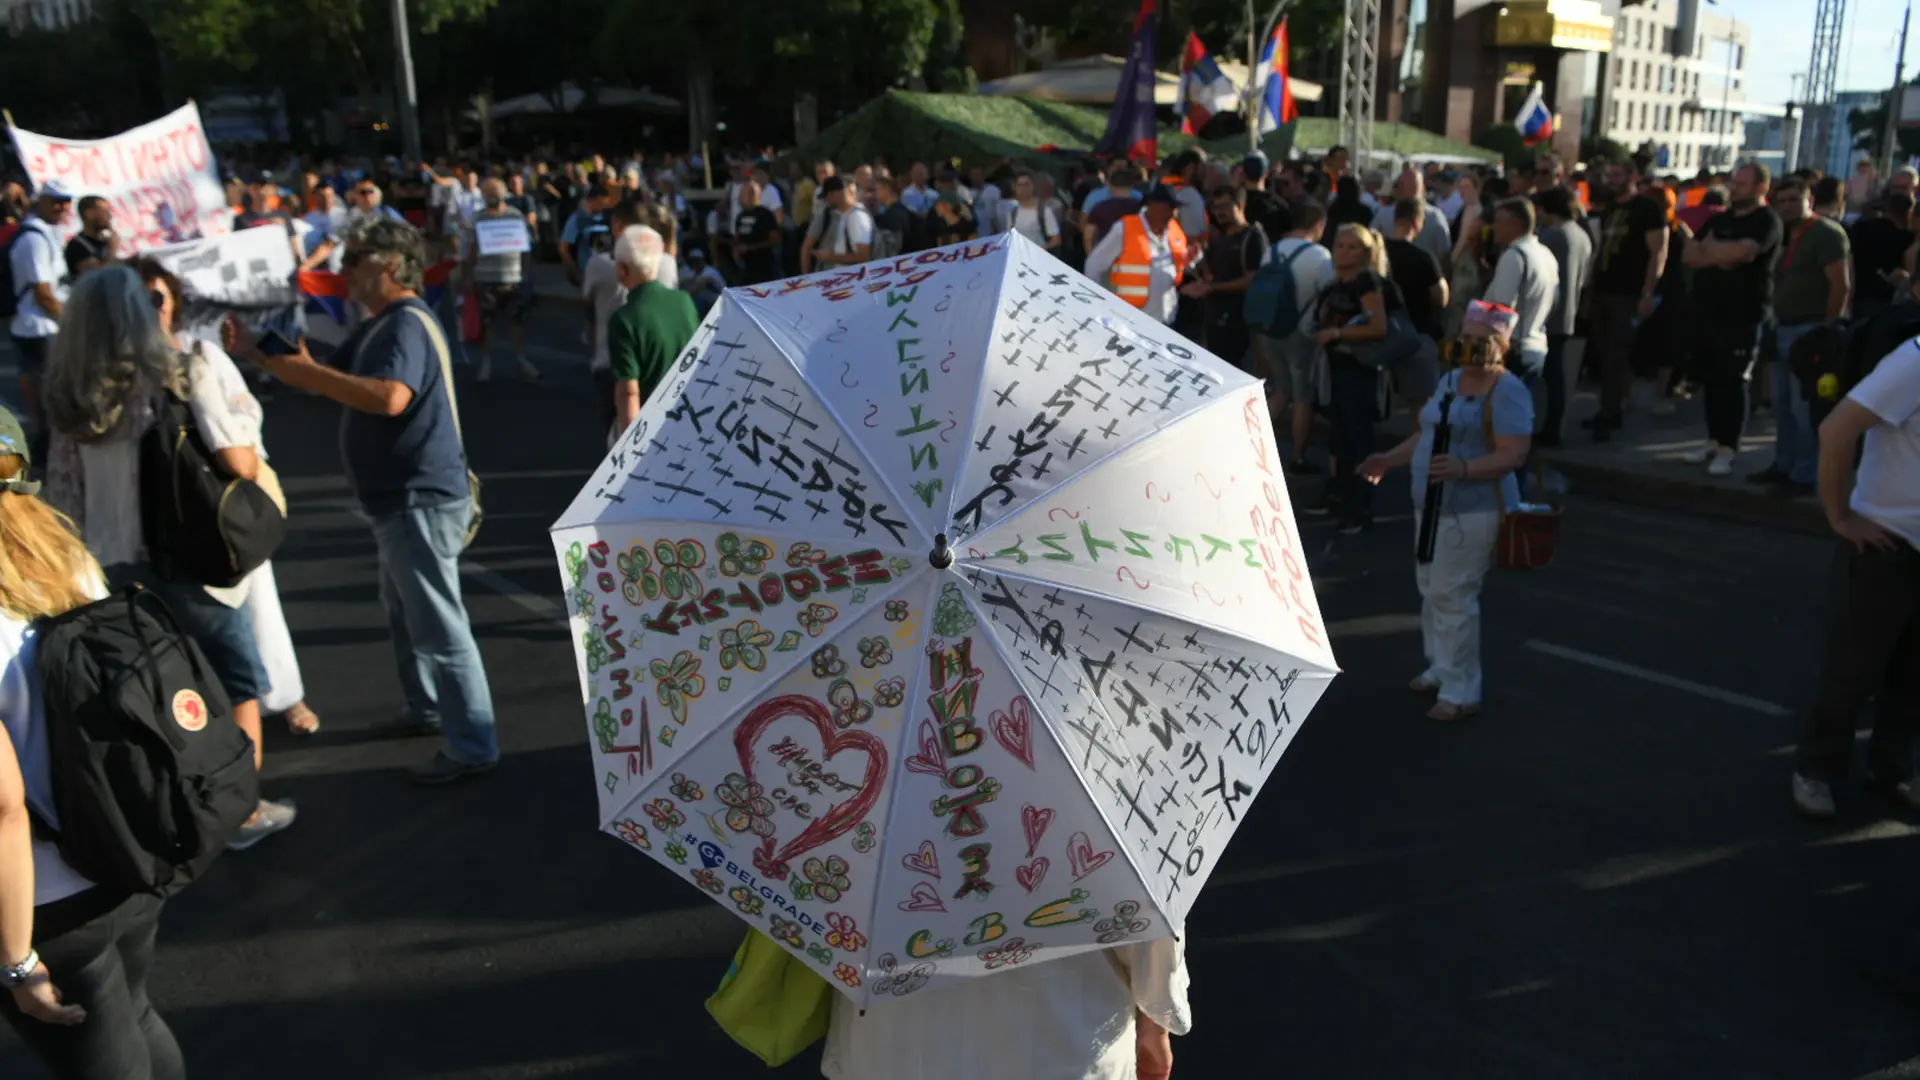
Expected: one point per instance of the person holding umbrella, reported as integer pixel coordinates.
(1463, 464)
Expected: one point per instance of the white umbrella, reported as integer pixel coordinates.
(941, 615)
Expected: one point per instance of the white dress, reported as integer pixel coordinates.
(1067, 1019)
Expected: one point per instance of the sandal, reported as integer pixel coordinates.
(301, 720)
(1450, 712)
(1421, 684)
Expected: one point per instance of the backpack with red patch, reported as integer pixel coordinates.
(151, 776)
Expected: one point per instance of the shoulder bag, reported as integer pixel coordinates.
(439, 339)
(1529, 533)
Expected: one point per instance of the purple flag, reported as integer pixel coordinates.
(1131, 131)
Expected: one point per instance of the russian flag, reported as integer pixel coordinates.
(1534, 120)
(1204, 89)
(1277, 106)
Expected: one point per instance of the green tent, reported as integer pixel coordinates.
(1315, 135)
(979, 129)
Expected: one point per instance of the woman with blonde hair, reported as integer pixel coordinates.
(110, 364)
(1352, 310)
(74, 956)
(1488, 420)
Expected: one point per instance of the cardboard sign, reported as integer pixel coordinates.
(503, 235)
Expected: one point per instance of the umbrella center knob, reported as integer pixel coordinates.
(942, 555)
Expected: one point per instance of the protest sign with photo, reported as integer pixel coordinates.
(248, 273)
(160, 178)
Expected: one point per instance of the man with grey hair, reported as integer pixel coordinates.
(401, 447)
(650, 330)
(1434, 237)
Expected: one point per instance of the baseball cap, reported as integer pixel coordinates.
(1161, 193)
(13, 440)
(55, 189)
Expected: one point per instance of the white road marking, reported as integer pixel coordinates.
(545, 607)
(1658, 678)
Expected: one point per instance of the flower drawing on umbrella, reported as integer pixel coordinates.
(816, 617)
(820, 953)
(899, 983)
(744, 899)
(1009, 953)
(638, 582)
(606, 730)
(780, 929)
(829, 878)
(686, 790)
(748, 808)
(665, 815)
(874, 652)
(848, 974)
(679, 567)
(743, 558)
(677, 682)
(848, 709)
(890, 692)
(802, 555)
(708, 880)
(843, 933)
(1122, 926)
(633, 833)
(863, 837)
(677, 853)
(896, 611)
(745, 646)
(827, 663)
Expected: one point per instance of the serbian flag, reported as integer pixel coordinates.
(1276, 95)
(1534, 120)
(1204, 90)
(1130, 126)
(324, 298)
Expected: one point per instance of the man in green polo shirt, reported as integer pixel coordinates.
(648, 332)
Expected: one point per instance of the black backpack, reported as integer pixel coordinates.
(200, 522)
(151, 776)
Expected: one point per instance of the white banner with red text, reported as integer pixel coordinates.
(160, 178)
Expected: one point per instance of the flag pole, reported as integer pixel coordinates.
(1253, 57)
(7, 114)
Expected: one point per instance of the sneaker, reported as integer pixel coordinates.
(486, 370)
(1814, 798)
(1722, 463)
(444, 770)
(528, 371)
(1701, 454)
(268, 818)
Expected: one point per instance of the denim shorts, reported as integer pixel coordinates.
(225, 634)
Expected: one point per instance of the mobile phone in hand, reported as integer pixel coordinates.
(274, 343)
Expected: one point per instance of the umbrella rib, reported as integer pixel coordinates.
(747, 308)
(1177, 616)
(1092, 466)
(1119, 839)
(980, 392)
(723, 722)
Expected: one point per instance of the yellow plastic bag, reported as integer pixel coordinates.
(770, 1002)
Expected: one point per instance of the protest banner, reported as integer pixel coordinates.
(502, 236)
(160, 178)
(249, 273)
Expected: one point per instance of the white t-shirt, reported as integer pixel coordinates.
(986, 208)
(1038, 225)
(25, 724)
(1312, 268)
(851, 228)
(601, 288)
(36, 260)
(1887, 489)
(468, 202)
(1192, 212)
(1528, 263)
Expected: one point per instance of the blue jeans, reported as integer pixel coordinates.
(1796, 449)
(441, 673)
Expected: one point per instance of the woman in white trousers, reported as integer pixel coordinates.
(1488, 417)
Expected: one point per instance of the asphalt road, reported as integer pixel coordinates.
(1599, 877)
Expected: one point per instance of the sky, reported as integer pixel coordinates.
(1783, 30)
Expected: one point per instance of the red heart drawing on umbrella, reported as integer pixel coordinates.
(1013, 729)
(841, 817)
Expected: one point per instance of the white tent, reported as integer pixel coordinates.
(1095, 80)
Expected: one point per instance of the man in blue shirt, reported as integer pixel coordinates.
(400, 443)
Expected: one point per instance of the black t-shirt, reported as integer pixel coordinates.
(1416, 272)
(1343, 302)
(522, 203)
(1269, 211)
(1622, 266)
(81, 248)
(944, 234)
(897, 223)
(1227, 259)
(1742, 295)
(1879, 245)
(757, 225)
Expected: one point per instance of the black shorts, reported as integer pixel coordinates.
(33, 354)
(497, 301)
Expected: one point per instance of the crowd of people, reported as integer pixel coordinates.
(1470, 295)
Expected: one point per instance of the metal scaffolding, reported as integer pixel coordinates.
(1359, 75)
(1823, 69)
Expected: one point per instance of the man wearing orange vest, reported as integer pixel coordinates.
(1143, 256)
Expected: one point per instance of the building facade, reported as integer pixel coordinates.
(18, 15)
(1675, 82)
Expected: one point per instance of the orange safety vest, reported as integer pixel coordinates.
(1132, 273)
